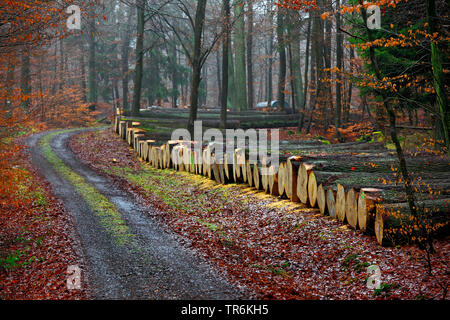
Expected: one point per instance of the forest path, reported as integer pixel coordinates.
(153, 265)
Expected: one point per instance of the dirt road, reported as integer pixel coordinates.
(156, 266)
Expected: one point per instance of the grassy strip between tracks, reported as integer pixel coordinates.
(110, 218)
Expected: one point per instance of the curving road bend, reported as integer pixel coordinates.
(159, 267)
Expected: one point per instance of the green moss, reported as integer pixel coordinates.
(210, 226)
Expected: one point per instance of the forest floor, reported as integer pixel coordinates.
(38, 241)
(274, 248)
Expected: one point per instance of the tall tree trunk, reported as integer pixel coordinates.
(92, 74)
(282, 56)
(174, 74)
(61, 64)
(196, 63)
(305, 82)
(339, 53)
(239, 47)
(83, 77)
(294, 61)
(231, 80)
(219, 78)
(10, 80)
(25, 78)
(225, 54)
(125, 56)
(348, 102)
(317, 51)
(203, 90)
(138, 72)
(328, 103)
(438, 75)
(250, 85)
(270, 60)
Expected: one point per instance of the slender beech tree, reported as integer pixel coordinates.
(125, 57)
(225, 54)
(197, 61)
(281, 45)
(301, 119)
(443, 126)
(138, 70)
(339, 53)
(239, 47)
(92, 68)
(25, 77)
(250, 85)
(269, 53)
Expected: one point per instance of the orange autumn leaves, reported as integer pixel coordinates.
(29, 26)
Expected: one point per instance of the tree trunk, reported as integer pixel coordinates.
(225, 54)
(125, 55)
(61, 64)
(438, 75)
(282, 56)
(250, 85)
(92, 73)
(270, 60)
(294, 50)
(219, 78)
(231, 79)
(174, 75)
(339, 53)
(196, 62)
(305, 91)
(9, 84)
(239, 47)
(25, 78)
(138, 72)
(316, 57)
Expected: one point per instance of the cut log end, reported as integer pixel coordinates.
(302, 182)
(312, 189)
(331, 202)
(340, 203)
(321, 199)
(351, 209)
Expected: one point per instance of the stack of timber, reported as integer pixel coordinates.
(350, 182)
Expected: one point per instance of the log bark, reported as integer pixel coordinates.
(249, 171)
(292, 166)
(273, 181)
(264, 174)
(257, 177)
(216, 170)
(390, 217)
(228, 168)
(281, 178)
(122, 129)
(367, 199)
(116, 124)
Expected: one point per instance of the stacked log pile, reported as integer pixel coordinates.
(342, 181)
